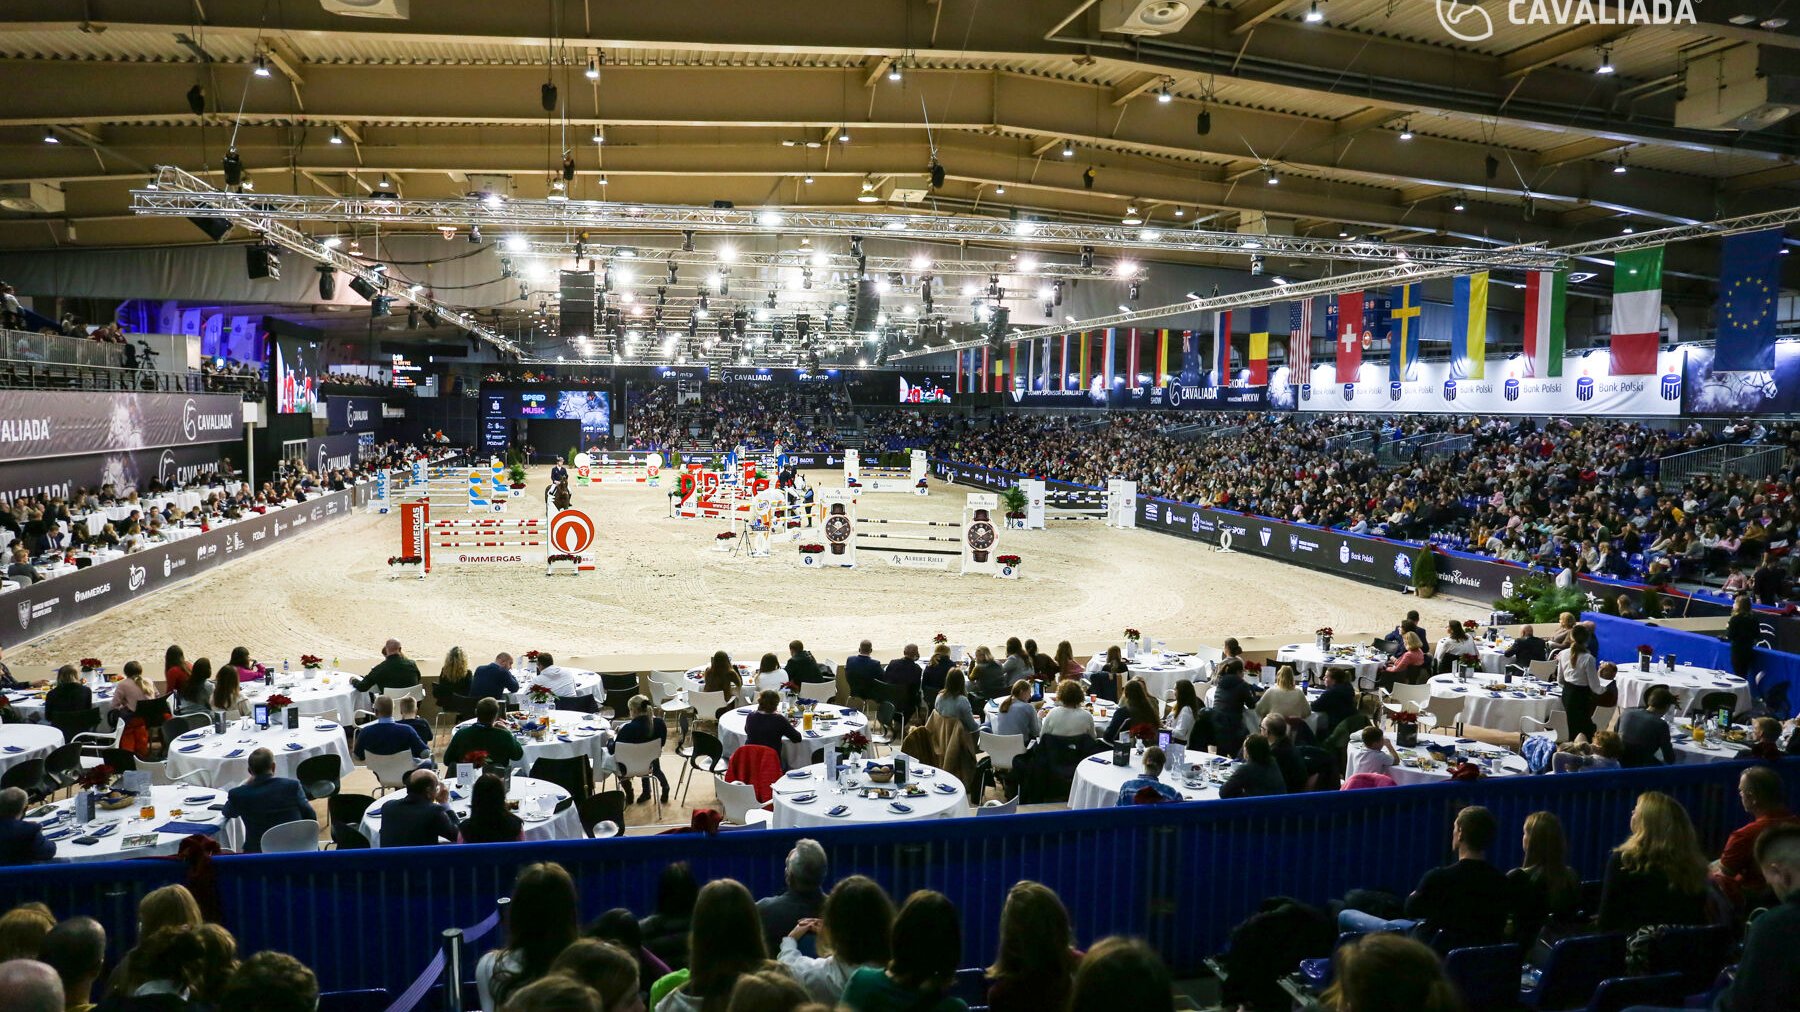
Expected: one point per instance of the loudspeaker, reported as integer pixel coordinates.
(865, 309)
(262, 263)
(578, 309)
(364, 289)
(997, 327)
(215, 228)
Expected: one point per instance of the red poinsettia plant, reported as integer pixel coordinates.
(1471, 624)
(476, 758)
(312, 661)
(1007, 560)
(404, 560)
(531, 655)
(855, 741)
(725, 535)
(811, 549)
(939, 640)
(1322, 631)
(1644, 649)
(1406, 717)
(1133, 634)
(279, 701)
(1253, 665)
(90, 663)
(100, 776)
(563, 557)
(540, 693)
(1145, 731)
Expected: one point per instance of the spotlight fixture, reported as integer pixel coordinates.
(937, 175)
(593, 66)
(1193, 296)
(331, 242)
(475, 234)
(1087, 178)
(1132, 217)
(1606, 63)
(1068, 149)
(1180, 212)
(687, 242)
(844, 135)
(262, 66)
(894, 72)
(868, 194)
(233, 167)
(1163, 95)
(1203, 122)
(1256, 266)
(1087, 256)
(1313, 14)
(1619, 166)
(1459, 205)
(50, 136)
(1406, 133)
(602, 179)
(1000, 189)
(808, 179)
(856, 246)
(599, 135)
(1134, 290)
(196, 100)
(547, 96)
(1343, 233)
(1273, 179)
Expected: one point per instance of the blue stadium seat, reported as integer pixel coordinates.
(1487, 976)
(1574, 969)
(1616, 994)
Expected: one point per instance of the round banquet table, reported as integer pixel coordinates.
(200, 806)
(1098, 782)
(1160, 671)
(1713, 750)
(536, 798)
(325, 694)
(221, 758)
(796, 754)
(1509, 764)
(1253, 721)
(22, 742)
(29, 703)
(571, 734)
(587, 683)
(1687, 681)
(1102, 710)
(944, 798)
(1309, 660)
(1498, 711)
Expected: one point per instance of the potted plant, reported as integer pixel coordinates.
(812, 555)
(1424, 574)
(1322, 638)
(311, 662)
(1143, 734)
(853, 744)
(1014, 501)
(1644, 654)
(569, 456)
(515, 475)
(281, 707)
(1132, 637)
(90, 666)
(541, 694)
(722, 540)
(1009, 566)
(1406, 729)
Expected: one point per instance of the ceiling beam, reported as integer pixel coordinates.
(1133, 87)
(876, 72)
(1247, 14)
(1368, 119)
(1774, 176)
(1544, 52)
(1576, 151)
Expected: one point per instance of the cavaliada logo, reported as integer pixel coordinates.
(1470, 22)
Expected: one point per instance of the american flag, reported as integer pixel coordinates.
(1300, 328)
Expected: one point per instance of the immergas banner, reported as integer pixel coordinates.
(352, 414)
(32, 611)
(134, 469)
(1584, 388)
(38, 423)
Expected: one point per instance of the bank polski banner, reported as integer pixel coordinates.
(1586, 387)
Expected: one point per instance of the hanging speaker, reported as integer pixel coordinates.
(262, 263)
(578, 308)
(867, 308)
(215, 228)
(364, 289)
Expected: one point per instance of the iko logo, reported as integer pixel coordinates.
(1265, 534)
(1306, 391)
(1584, 388)
(1344, 553)
(1671, 387)
(1349, 391)
(1510, 389)
(1449, 390)
(1403, 565)
(138, 576)
(1395, 389)
(1506, 587)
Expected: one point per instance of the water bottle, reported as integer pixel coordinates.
(284, 667)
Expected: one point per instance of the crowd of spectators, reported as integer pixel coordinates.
(799, 418)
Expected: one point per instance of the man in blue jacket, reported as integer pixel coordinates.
(494, 680)
(386, 736)
(21, 842)
(265, 801)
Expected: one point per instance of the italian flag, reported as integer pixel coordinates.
(1636, 311)
(1546, 301)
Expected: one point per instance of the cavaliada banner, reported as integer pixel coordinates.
(37, 423)
(1585, 388)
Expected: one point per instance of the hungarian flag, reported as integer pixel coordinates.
(1546, 301)
(1259, 346)
(1468, 326)
(1636, 311)
(1348, 336)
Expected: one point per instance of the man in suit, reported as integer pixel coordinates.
(483, 736)
(386, 736)
(266, 800)
(1527, 648)
(801, 666)
(904, 673)
(494, 679)
(423, 817)
(396, 671)
(21, 842)
(803, 898)
(863, 667)
(1337, 701)
(1645, 732)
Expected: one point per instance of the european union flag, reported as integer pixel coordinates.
(1749, 282)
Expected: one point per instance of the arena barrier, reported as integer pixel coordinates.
(764, 518)
(563, 536)
(913, 544)
(886, 479)
(641, 469)
(703, 493)
(1116, 504)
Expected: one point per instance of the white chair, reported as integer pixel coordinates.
(706, 704)
(1403, 693)
(1001, 750)
(299, 836)
(1603, 717)
(410, 692)
(159, 774)
(1559, 728)
(389, 769)
(739, 802)
(1447, 711)
(771, 680)
(1543, 671)
(999, 808)
(635, 760)
(95, 742)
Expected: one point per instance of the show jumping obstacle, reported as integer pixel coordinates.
(479, 489)
(703, 493)
(564, 535)
(765, 517)
(641, 469)
(886, 479)
(1116, 505)
(975, 543)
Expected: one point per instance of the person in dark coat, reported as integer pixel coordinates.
(266, 800)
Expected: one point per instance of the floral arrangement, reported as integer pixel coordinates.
(1644, 650)
(100, 776)
(1253, 665)
(1145, 731)
(1133, 635)
(1323, 631)
(811, 549)
(90, 663)
(939, 640)
(1007, 560)
(563, 557)
(279, 701)
(725, 535)
(531, 655)
(791, 686)
(1471, 624)
(476, 758)
(1406, 717)
(404, 560)
(854, 743)
(311, 662)
(541, 693)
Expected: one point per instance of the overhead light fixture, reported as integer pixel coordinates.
(844, 135)
(1180, 212)
(1132, 217)
(1068, 149)
(332, 242)
(1343, 233)
(593, 65)
(1619, 166)
(337, 136)
(1151, 235)
(1406, 133)
(1627, 230)
(1203, 122)
(50, 136)
(1606, 64)
(599, 135)
(1313, 14)
(1459, 205)
(1163, 95)
(1000, 189)
(809, 179)
(868, 194)
(1273, 179)
(262, 66)
(603, 179)
(894, 72)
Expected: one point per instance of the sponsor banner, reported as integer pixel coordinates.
(1172, 395)
(36, 423)
(352, 414)
(332, 453)
(768, 376)
(30, 612)
(1585, 388)
(1371, 560)
(133, 469)
(1708, 391)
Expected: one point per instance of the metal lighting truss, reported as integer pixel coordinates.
(177, 181)
(493, 211)
(841, 263)
(1405, 273)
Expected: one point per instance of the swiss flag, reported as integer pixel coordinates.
(1348, 337)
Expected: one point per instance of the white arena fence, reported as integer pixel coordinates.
(910, 478)
(1116, 504)
(971, 545)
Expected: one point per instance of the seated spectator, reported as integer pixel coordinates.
(1376, 755)
(1231, 696)
(853, 928)
(195, 694)
(1337, 701)
(1768, 975)
(953, 702)
(1645, 732)
(1121, 973)
(1765, 743)
(610, 970)
(1409, 665)
(266, 800)
(642, 727)
(421, 818)
(619, 927)
(454, 679)
(21, 842)
(1111, 674)
(555, 677)
(863, 667)
(27, 985)
(386, 736)
(802, 667)
(666, 931)
(406, 714)
(803, 873)
(228, 699)
(1658, 875)
(931, 681)
(725, 942)
(489, 819)
(988, 677)
(165, 973)
(68, 697)
(1465, 903)
(1764, 797)
(1069, 718)
(1284, 697)
(1544, 887)
(1257, 776)
(540, 923)
(482, 736)
(1018, 715)
(1135, 708)
(1187, 715)
(767, 728)
(1525, 649)
(927, 946)
(271, 982)
(1035, 967)
(76, 950)
(494, 679)
(396, 671)
(1149, 780)
(1387, 971)
(23, 929)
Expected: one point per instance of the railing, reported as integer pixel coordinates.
(1349, 441)
(1762, 463)
(55, 349)
(1759, 462)
(1178, 875)
(1396, 452)
(1445, 447)
(52, 361)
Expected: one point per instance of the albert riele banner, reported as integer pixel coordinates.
(132, 469)
(30, 612)
(37, 423)
(1584, 388)
(352, 414)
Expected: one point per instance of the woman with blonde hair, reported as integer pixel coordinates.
(1410, 663)
(1284, 697)
(22, 930)
(171, 906)
(1658, 875)
(767, 991)
(1545, 888)
(1036, 962)
(453, 678)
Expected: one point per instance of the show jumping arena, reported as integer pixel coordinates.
(660, 586)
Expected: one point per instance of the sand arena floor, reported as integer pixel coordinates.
(663, 589)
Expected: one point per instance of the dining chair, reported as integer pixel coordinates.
(74, 722)
(637, 760)
(1008, 807)
(574, 774)
(999, 751)
(390, 768)
(739, 802)
(606, 806)
(707, 756)
(321, 776)
(299, 836)
(159, 774)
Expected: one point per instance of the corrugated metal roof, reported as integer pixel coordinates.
(1417, 21)
(121, 45)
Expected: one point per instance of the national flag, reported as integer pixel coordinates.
(1348, 335)
(984, 369)
(1468, 326)
(1636, 311)
(1083, 338)
(1162, 356)
(1546, 306)
(1109, 346)
(1062, 370)
(1300, 328)
(959, 371)
(1043, 376)
(1259, 346)
(1749, 283)
(1404, 326)
(1222, 348)
(1190, 359)
(1131, 358)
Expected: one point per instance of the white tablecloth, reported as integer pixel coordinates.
(1098, 782)
(29, 703)
(952, 802)
(1686, 681)
(536, 799)
(1308, 659)
(323, 693)
(213, 754)
(1100, 708)
(587, 735)
(22, 742)
(1498, 711)
(1713, 751)
(1160, 671)
(587, 683)
(1508, 764)
(795, 754)
(194, 803)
